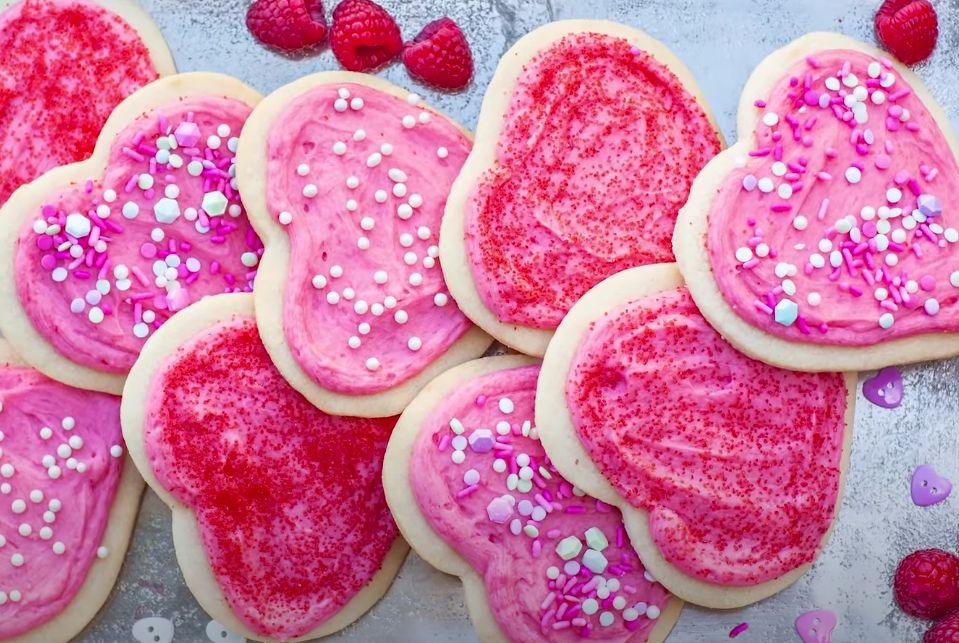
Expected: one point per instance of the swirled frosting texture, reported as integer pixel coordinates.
(839, 226)
(596, 153)
(737, 463)
(288, 500)
(103, 263)
(530, 536)
(64, 66)
(360, 178)
(60, 464)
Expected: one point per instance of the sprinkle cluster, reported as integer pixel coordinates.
(75, 244)
(585, 589)
(844, 256)
(32, 512)
(393, 197)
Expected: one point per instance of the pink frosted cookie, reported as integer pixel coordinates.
(590, 135)
(824, 239)
(476, 496)
(279, 520)
(728, 471)
(68, 501)
(98, 254)
(346, 177)
(64, 66)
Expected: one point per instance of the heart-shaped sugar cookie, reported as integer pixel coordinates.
(68, 501)
(728, 471)
(56, 56)
(590, 135)
(98, 254)
(279, 520)
(345, 177)
(825, 239)
(475, 495)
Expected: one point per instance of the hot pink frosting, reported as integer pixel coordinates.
(288, 500)
(596, 153)
(104, 263)
(737, 463)
(507, 511)
(361, 177)
(838, 228)
(60, 463)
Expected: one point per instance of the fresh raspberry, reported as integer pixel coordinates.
(945, 631)
(288, 25)
(363, 35)
(908, 29)
(927, 583)
(440, 55)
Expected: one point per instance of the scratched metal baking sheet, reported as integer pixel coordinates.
(720, 41)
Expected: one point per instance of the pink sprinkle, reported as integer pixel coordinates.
(824, 176)
(752, 263)
(148, 251)
(620, 536)
(802, 325)
(780, 207)
(467, 491)
(823, 206)
(895, 96)
(765, 151)
(575, 509)
(602, 507)
(739, 629)
(141, 278)
(444, 442)
(760, 104)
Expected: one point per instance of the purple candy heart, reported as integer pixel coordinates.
(816, 626)
(928, 487)
(884, 388)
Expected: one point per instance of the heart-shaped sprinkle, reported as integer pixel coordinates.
(508, 512)
(837, 228)
(884, 388)
(56, 86)
(61, 458)
(289, 501)
(153, 629)
(584, 184)
(736, 462)
(217, 633)
(929, 487)
(816, 626)
(104, 262)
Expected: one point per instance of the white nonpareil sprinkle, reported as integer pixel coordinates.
(372, 364)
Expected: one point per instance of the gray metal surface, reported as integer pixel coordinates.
(720, 41)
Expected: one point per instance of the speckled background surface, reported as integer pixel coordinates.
(720, 41)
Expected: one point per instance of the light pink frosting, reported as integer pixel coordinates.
(52, 518)
(481, 513)
(158, 237)
(362, 178)
(737, 463)
(854, 249)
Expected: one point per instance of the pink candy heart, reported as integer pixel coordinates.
(816, 626)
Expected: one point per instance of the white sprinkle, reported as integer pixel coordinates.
(404, 211)
(356, 104)
(409, 121)
(372, 364)
(441, 299)
(333, 298)
(319, 281)
(102, 552)
(401, 316)
(286, 218)
(442, 152)
(386, 149)
(340, 105)
(886, 320)
(354, 342)
(367, 223)
(310, 190)
(415, 343)
(359, 135)
(339, 148)
(771, 119)
(374, 159)
(800, 222)
(352, 182)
